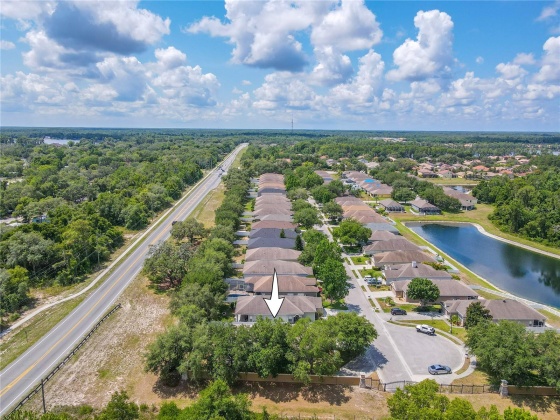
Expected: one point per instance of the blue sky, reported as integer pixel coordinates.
(331, 64)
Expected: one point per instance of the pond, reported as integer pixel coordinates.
(516, 270)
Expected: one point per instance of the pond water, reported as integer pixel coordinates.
(516, 270)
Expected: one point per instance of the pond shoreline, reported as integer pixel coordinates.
(491, 235)
(481, 230)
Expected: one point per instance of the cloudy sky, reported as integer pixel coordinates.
(328, 64)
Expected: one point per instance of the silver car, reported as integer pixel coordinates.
(439, 370)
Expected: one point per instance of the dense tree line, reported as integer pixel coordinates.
(506, 350)
(529, 205)
(75, 202)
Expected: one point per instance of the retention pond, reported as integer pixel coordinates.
(524, 273)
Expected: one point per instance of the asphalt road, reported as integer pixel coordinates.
(25, 372)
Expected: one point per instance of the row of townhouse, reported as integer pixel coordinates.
(271, 247)
(364, 182)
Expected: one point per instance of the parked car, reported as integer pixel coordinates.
(398, 311)
(439, 370)
(372, 280)
(426, 329)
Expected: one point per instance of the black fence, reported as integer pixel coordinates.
(444, 389)
(40, 386)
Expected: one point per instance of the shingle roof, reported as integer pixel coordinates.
(421, 270)
(292, 305)
(272, 233)
(271, 210)
(273, 224)
(271, 243)
(500, 309)
(382, 235)
(423, 204)
(308, 281)
(289, 284)
(402, 257)
(267, 267)
(272, 254)
(275, 217)
(390, 203)
(398, 244)
(446, 287)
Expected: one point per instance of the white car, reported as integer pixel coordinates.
(426, 329)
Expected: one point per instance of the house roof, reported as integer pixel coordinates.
(273, 224)
(407, 271)
(402, 257)
(446, 287)
(272, 233)
(292, 305)
(423, 204)
(308, 281)
(287, 243)
(275, 205)
(382, 235)
(275, 217)
(286, 284)
(390, 203)
(270, 209)
(385, 225)
(267, 267)
(397, 244)
(270, 190)
(272, 254)
(500, 309)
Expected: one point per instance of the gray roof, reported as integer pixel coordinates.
(423, 204)
(391, 203)
(272, 254)
(446, 288)
(382, 235)
(273, 224)
(272, 233)
(292, 305)
(270, 209)
(271, 243)
(286, 284)
(269, 190)
(276, 217)
(402, 257)
(407, 271)
(500, 309)
(398, 244)
(267, 267)
(386, 226)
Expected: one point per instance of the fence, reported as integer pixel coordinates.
(41, 385)
(533, 390)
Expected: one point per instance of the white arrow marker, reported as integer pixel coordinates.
(274, 303)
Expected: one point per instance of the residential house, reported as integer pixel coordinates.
(448, 291)
(423, 207)
(287, 286)
(392, 206)
(286, 243)
(501, 309)
(267, 267)
(413, 270)
(397, 244)
(273, 224)
(273, 233)
(390, 258)
(382, 235)
(257, 254)
(249, 308)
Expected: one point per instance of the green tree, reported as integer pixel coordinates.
(299, 243)
(548, 357)
(354, 333)
(476, 313)
(190, 228)
(307, 217)
(334, 279)
(504, 351)
(120, 408)
(165, 355)
(322, 194)
(333, 210)
(422, 289)
(167, 263)
(403, 194)
(217, 402)
(325, 250)
(223, 232)
(418, 402)
(351, 232)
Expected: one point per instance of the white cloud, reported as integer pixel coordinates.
(246, 83)
(510, 71)
(479, 60)
(550, 64)
(431, 54)
(170, 57)
(6, 45)
(350, 26)
(281, 91)
(549, 11)
(524, 59)
(333, 67)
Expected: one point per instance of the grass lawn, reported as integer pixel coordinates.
(488, 295)
(355, 273)
(370, 272)
(340, 305)
(476, 378)
(441, 325)
(16, 343)
(205, 211)
(478, 215)
(359, 260)
(379, 288)
(551, 318)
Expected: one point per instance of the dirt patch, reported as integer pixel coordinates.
(113, 358)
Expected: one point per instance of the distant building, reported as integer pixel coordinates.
(423, 207)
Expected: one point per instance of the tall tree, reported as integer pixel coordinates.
(422, 289)
(476, 313)
(334, 279)
(351, 232)
(190, 228)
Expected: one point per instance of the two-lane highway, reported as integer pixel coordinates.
(37, 361)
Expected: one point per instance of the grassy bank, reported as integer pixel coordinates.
(479, 216)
